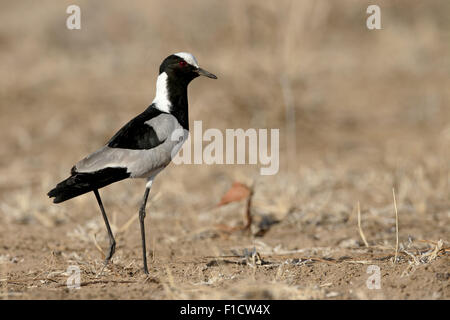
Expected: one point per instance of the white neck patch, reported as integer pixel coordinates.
(189, 58)
(161, 100)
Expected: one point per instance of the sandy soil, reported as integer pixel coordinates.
(368, 112)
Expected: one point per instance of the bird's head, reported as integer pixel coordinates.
(183, 67)
(175, 73)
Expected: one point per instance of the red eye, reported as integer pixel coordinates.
(183, 63)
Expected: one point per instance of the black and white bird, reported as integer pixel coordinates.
(141, 148)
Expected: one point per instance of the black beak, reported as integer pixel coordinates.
(205, 73)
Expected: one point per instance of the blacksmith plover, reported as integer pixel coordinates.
(141, 148)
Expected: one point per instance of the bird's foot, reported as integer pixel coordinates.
(105, 264)
(146, 270)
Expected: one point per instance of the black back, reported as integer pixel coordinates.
(136, 134)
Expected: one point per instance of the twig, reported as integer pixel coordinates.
(86, 283)
(98, 246)
(291, 136)
(361, 233)
(396, 225)
(127, 224)
(248, 214)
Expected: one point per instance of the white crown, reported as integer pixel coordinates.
(189, 58)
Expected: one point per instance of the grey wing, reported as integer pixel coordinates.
(140, 162)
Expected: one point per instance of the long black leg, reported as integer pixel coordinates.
(141, 221)
(112, 241)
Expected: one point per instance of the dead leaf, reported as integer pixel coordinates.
(237, 192)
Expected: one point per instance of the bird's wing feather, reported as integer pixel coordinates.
(137, 134)
(139, 162)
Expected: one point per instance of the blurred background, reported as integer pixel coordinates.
(359, 111)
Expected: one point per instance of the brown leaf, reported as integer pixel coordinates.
(237, 192)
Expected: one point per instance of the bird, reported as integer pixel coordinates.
(143, 147)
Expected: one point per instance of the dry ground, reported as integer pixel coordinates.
(360, 112)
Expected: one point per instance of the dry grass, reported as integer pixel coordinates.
(396, 226)
(360, 113)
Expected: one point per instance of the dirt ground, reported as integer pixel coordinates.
(361, 113)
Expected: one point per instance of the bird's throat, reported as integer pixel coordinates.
(171, 97)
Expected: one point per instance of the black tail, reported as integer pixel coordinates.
(80, 183)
